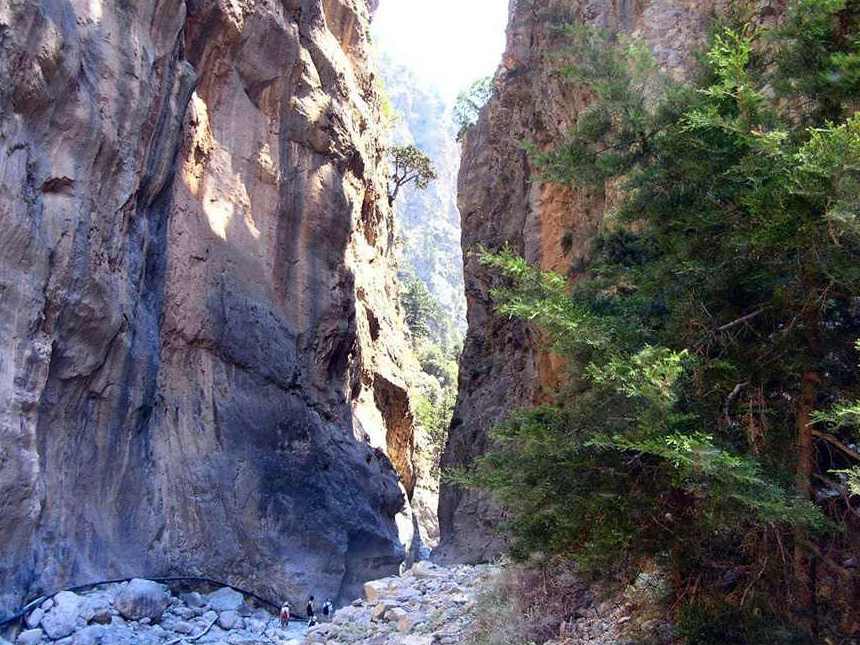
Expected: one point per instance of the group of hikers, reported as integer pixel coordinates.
(310, 611)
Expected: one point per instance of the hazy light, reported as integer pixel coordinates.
(448, 43)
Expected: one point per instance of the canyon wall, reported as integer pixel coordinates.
(196, 280)
(503, 201)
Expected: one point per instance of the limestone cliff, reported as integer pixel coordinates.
(502, 200)
(199, 351)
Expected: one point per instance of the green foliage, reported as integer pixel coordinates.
(468, 106)
(721, 623)
(722, 284)
(419, 307)
(409, 165)
(437, 349)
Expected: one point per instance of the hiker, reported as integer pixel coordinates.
(285, 615)
(328, 609)
(312, 619)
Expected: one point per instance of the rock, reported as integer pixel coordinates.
(63, 617)
(30, 637)
(142, 599)
(378, 611)
(228, 619)
(96, 608)
(408, 622)
(35, 617)
(193, 599)
(93, 635)
(375, 589)
(183, 627)
(185, 613)
(425, 570)
(47, 604)
(504, 366)
(225, 599)
(155, 207)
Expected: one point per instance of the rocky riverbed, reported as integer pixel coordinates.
(143, 612)
(424, 606)
(427, 604)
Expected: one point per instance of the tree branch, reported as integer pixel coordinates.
(742, 319)
(833, 441)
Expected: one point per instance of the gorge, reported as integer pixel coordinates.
(209, 367)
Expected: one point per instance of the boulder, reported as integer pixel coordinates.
(378, 611)
(225, 599)
(425, 569)
(228, 619)
(96, 609)
(375, 589)
(30, 637)
(35, 617)
(193, 599)
(183, 627)
(62, 619)
(142, 599)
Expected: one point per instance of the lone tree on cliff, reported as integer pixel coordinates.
(409, 165)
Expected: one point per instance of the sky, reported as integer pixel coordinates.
(447, 43)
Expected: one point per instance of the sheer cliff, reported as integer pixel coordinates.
(503, 201)
(196, 281)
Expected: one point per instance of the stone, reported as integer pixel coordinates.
(183, 627)
(96, 607)
(375, 589)
(62, 619)
(93, 635)
(185, 613)
(35, 617)
(378, 611)
(425, 570)
(142, 600)
(228, 619)
(408, 622)
(30, 637)
(193, 599)
(225, 599)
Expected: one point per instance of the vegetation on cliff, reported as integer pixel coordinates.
(718, 316)
(437, 344)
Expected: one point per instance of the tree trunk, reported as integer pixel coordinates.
(804, 561)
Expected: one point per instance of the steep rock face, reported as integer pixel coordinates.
(503, 200)
(195, 283)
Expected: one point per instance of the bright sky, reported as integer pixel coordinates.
(448, 43)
